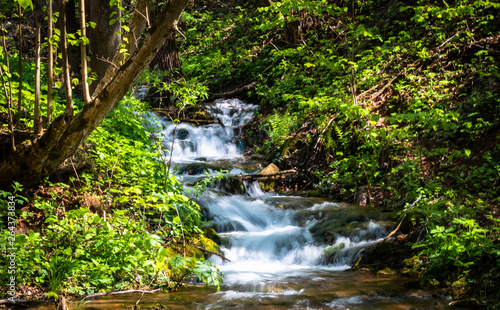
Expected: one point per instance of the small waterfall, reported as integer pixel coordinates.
(267, 238)
(276, 244)
(210, 142)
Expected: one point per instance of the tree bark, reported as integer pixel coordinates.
(8, 94)
(64, 55)
(32, 163)
(83, 53)
(50, 68)
(38, 47)
(167, 59)
(72, 26)
(20, 66)
(104, 38)
(140, 19)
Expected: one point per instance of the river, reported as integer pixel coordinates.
(277, 258)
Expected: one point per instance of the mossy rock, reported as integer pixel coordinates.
(231, 185)
(200, 115)
(312, 193)
(386, 272)
(330, 252)
(212, 235)
(194, 169)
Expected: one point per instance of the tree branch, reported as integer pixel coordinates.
(121, 293)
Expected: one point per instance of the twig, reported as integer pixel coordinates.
(182, 34)
(145, 17)
(108, 61)
(402, 219)
(383, 88)
(445, 42)
(113, 168)
(74, 169)
(121, 293)
(211, 252)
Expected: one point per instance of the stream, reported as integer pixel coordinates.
(277, 258)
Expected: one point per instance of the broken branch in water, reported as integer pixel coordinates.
(211, 252)
(121, 293)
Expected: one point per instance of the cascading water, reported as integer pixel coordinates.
(275, 260)
(275, 244)
(210, 142)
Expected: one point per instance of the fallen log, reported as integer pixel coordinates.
(200, 122)
(13, 301)
(233, 92)
(267, 175)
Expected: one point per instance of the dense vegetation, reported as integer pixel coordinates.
(384, 102)
(393, 103)
(123, 223)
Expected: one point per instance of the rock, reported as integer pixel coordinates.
(290, 145)
(231, 185)
(194, 169)
(362, 196)
(182, 134)
(330, 252)
(386, 272)
(271, 168)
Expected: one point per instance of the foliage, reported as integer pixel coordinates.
(398, 97)
(128, 222)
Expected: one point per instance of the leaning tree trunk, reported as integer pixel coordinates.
(32, 163)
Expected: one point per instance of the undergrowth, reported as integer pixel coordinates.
(125, 223)
(394, 99)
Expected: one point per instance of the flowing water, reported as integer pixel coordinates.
(276, 259)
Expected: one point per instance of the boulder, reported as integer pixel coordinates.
(270, 169)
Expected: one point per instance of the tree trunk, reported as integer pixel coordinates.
(32, 163)
(73, 51)
(38, 47)
(83, 53)
(8, 93)
(50, 68)
(140, 19)
(20, 88)
(64, 54)
(104, 41)
(167, 59)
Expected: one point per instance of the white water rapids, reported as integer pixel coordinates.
(280, 256)
(268, 247)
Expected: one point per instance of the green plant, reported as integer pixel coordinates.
(60, 267)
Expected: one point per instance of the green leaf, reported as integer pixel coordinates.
(467, 152)
(25, 4)
(50, 220)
